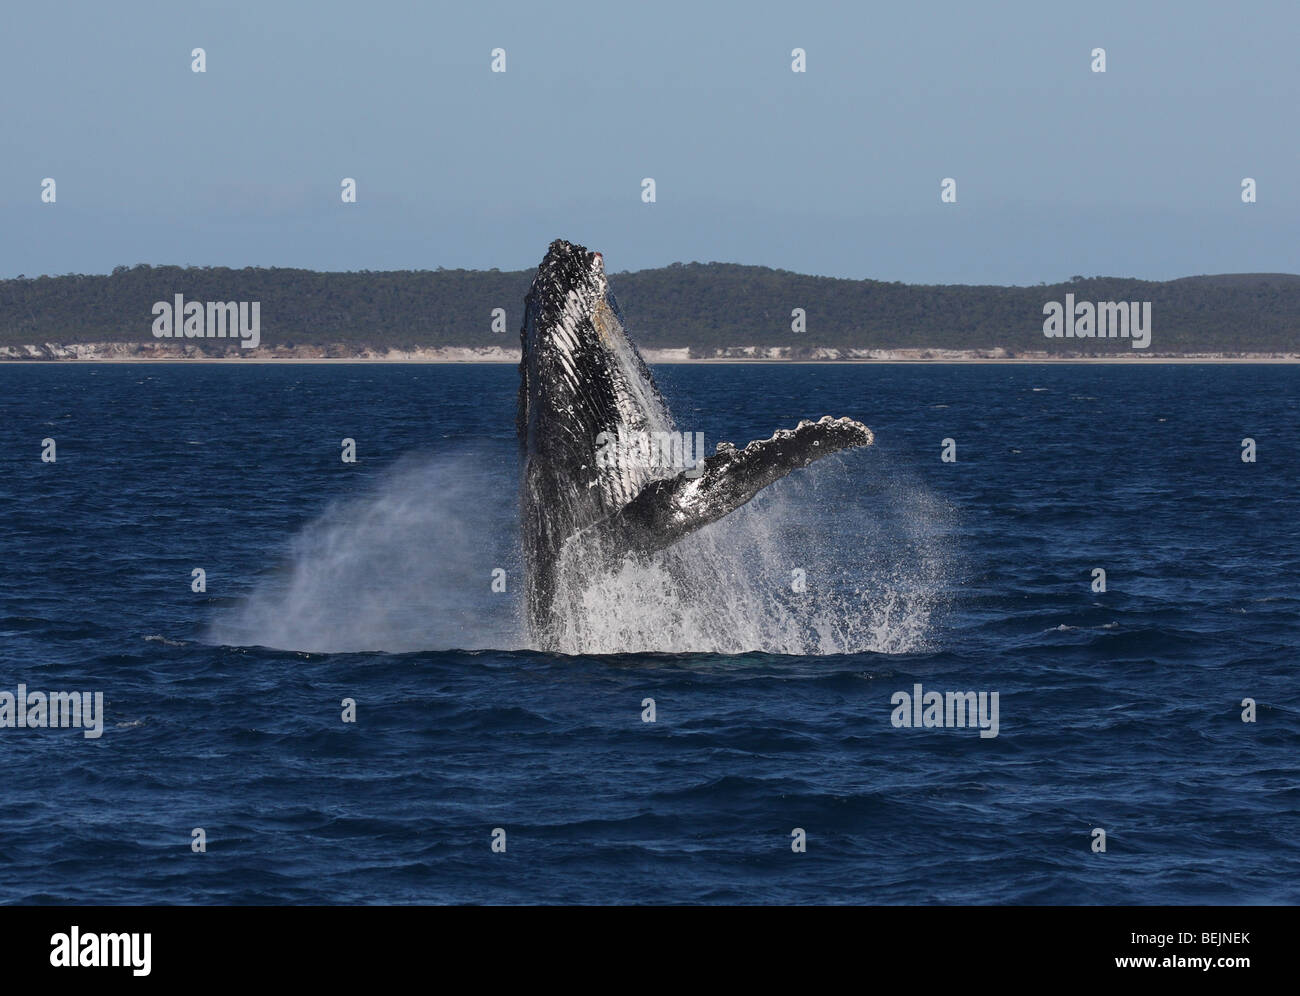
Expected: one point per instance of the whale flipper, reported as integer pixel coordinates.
(667, 510)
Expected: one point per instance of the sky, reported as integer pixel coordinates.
(837, 171)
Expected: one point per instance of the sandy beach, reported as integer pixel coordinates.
(149, 352)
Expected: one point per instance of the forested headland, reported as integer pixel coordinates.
(705, 307)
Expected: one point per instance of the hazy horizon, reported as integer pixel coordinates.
(616, 273)
(835, 171)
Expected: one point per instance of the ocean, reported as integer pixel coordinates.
(780, 766)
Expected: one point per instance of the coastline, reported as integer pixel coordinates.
(154, 353)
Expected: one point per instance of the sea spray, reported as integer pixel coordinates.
(405, 566)
(408, 564)
(808, 567)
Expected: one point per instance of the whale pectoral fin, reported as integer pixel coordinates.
(665, 511)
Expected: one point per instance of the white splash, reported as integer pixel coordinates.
(408, 566)
(873, 577)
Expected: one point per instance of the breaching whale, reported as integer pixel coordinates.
(585, 505)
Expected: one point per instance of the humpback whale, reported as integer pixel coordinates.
(582, 382)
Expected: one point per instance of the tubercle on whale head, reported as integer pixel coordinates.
(570, 293)
(569, 263)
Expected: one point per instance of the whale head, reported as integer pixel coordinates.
(581, 381)
(580, 377)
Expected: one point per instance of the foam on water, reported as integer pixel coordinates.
(872, 577)
(872, 570)
(407, 566)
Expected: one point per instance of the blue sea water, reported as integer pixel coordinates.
(372, 581)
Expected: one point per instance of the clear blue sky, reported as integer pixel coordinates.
(837, 171)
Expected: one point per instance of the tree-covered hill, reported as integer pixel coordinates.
(705, 306)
